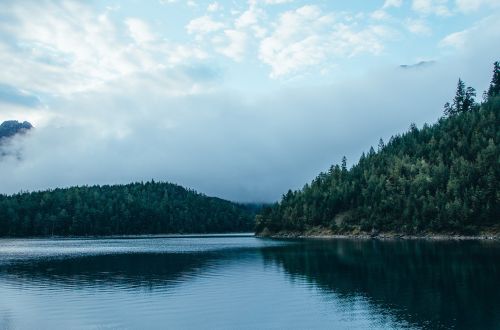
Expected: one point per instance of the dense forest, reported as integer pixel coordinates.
(137, 208)
(440, 178)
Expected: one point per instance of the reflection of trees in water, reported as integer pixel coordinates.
(136, 269)
(429, 284)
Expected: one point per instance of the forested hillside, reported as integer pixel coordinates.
(440, 178)
(138, 208)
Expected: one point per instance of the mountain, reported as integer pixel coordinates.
(131, 209)
(10, 128)
(442, 178)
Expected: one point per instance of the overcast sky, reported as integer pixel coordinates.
(241, 100)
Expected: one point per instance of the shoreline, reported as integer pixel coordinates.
(140, 236)
(321, 233)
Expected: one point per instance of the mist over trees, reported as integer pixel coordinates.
(440, 178)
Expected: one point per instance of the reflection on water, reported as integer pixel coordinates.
(245, 282)
(428, 284)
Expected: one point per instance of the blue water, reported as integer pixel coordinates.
(243, 282)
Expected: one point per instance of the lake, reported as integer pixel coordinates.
(243, 282)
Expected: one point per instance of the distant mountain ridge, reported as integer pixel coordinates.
(10, 128)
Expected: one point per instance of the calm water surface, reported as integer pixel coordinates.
(248, 283)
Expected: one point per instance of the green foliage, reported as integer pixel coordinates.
(464, 100)
(137, 208)
(494, 89)
(441, 178)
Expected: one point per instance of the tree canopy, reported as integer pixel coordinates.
(137, 208)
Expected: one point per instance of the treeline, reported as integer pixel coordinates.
(441, 178)
(137, 208)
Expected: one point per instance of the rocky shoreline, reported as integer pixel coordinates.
(324, 233)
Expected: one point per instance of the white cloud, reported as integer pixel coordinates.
(235, 46)
(467, 41)
(467, 6)
(392, 3)
(455, 40)
(306, 37)
(431, 7)
(203, 25)
(277, 2)
(418, 27)
(380, 15)
(213, 7)
(249, 17)
(63, 48)
(139, 30)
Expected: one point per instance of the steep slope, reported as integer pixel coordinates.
(441, 178)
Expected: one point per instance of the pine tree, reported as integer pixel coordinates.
(469, 101)
(494, 88)
(448, 109)
(458, 101)
(344, 164)
(381, 144)
(462, 102)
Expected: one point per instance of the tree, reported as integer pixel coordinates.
(344, 164)
(469, 101)
(458, 101)
(494, 88)
(462, 102)
(381, 144)
(448, 110)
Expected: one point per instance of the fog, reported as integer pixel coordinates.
(242, 146)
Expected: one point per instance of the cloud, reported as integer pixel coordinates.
(392, 3)
(203, 25)
(380, 15)
(139, 30)
(431, 7)
(113, 108)
(238, 146)
(10, 94)
(213, 7)
(63, 48)
(234, 46)
(305, 37)
(467, 6)
(418, 27)
(277, 2)
(467, 40)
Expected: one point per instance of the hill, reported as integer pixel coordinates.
(10, 128)
(132, 209)
(442, 178)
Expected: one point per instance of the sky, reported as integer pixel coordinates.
(237, 99)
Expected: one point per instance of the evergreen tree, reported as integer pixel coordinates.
(469, 101)
(381, 144)
(458, 101)
(494, 88)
